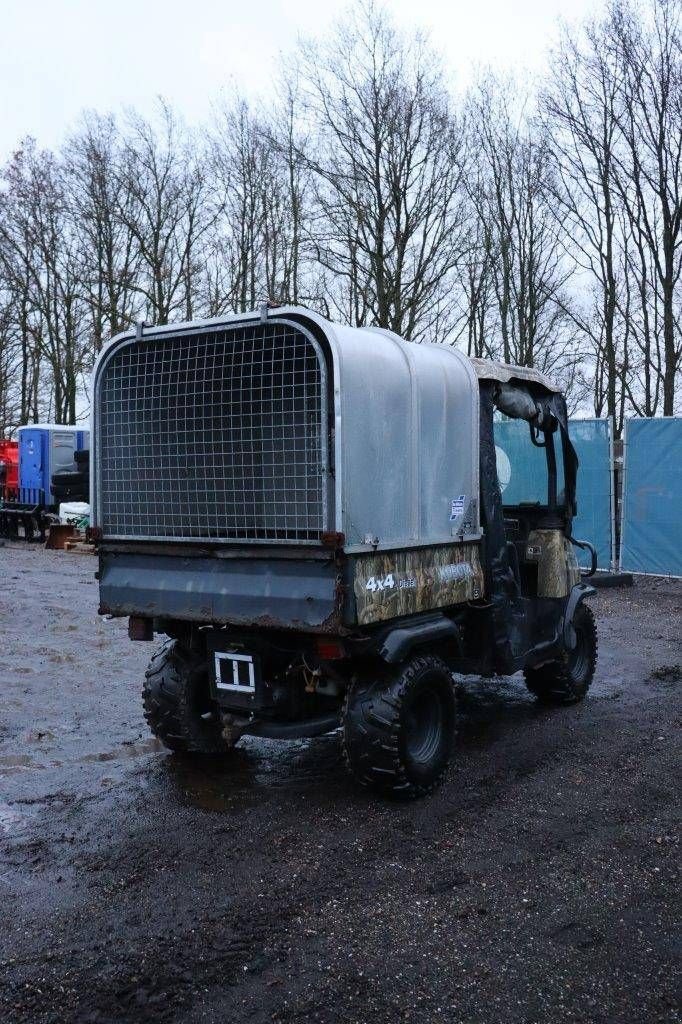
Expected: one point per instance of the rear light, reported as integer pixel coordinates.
(332, 540)
(330, 650)
(140, 628)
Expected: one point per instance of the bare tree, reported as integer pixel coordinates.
(614, 109)
(106, 242)
(650, 171)
(476, 318)
(263, 180)
(521, 239)
(553, 241)
(39, 245)
(639, 307)
(165, 202)
(388, 161)
(581, 107)
(19, 326)
(291, 276)
(241, 163)
(10, 363)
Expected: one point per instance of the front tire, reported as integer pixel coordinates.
(399, 731)
(177, 702)
(567, 680)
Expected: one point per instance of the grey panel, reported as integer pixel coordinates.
(407, 440)
(286, 593)
(63, 445)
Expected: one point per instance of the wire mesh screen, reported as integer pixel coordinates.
(217, 435)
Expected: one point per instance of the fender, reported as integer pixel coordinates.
(576, 597)
(395, 644)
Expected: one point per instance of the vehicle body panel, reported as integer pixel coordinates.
(270, 592)
(394, 584)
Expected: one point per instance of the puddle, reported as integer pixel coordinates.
(11, 820)
(11, 764)
(126, 752)
(207, 796)
(16, 761)
(256, 770)
(223, 787)
(488, 708)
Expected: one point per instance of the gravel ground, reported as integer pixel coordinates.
(540, 884)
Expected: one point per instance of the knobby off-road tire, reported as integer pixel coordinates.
(399, 730)
(175, 696)
(567, 680)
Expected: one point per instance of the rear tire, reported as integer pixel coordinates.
(399, 730)
(175, 696)
(567, 680)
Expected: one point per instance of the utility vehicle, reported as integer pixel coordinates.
(312, 515)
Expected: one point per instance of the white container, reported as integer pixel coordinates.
(74, 513)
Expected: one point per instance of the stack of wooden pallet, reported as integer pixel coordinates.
(67, 538)
(79, 545)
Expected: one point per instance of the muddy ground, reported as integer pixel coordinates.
(538, 885)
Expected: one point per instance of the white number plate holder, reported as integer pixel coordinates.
(235, 672)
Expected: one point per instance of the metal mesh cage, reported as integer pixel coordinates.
(216, 435)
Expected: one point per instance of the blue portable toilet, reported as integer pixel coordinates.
(45, 449)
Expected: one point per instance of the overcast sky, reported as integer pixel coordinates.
(58, 57)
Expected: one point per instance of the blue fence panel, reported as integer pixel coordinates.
(522, 470)
(594, 521)
(651, 534)
(523, 473)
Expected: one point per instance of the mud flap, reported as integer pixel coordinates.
(398, 643)
(578, 594)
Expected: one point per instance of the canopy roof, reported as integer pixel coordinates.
(399, 421)
(490, 369)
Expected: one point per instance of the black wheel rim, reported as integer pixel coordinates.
(424, 720)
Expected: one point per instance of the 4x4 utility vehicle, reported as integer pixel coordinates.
(312, 514)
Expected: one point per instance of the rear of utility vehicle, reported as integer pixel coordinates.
(296, 506)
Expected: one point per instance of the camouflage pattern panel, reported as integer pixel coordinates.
(558, 569)
(389, 584)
